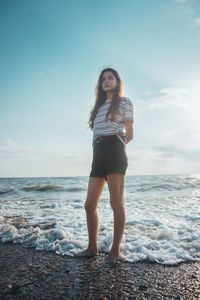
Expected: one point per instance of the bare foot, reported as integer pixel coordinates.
(88, 252)
(112, 258)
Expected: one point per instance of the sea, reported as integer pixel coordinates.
(162, 216)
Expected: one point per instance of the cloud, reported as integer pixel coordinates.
(22, 161)
(171, 96)
(2, 123)
(180, 1)
(167, 131)
(41, 74)
(197, 21)
(10, 147)
(173, 151)
(190, 10)
(180, 102)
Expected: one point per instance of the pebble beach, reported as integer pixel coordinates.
(30, 274)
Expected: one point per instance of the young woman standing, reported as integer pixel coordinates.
(110, 115)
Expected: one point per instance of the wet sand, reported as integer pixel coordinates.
(29, 274)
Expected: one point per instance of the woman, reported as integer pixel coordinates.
(111, 114)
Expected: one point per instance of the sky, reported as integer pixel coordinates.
(51, 56)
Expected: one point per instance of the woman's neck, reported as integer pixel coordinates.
(109, 95)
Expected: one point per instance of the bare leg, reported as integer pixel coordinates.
(116, 189)
(95, 188)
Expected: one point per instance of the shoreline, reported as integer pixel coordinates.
(27, 273)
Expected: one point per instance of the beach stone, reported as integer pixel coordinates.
(142, 287)
(14, 290)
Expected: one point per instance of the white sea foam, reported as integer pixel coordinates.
(162, 217)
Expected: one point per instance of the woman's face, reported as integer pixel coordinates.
(109, 81)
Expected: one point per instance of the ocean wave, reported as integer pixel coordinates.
(6, 191)
(42, 188)
(52, 187)
(162, 245)
(75, 189)
(181, 185)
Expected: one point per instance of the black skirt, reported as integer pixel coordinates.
(109, 156)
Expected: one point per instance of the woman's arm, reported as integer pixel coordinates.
(129, 131)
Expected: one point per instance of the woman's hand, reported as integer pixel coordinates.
(129, 131)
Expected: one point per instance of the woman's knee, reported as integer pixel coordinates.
(117, 204)
(90, 207)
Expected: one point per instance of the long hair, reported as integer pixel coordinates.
(101, 97)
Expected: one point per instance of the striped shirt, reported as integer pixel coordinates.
(116, 127)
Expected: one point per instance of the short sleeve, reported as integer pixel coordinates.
(129, 111)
